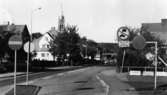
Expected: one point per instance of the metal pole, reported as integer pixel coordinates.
(86, 50)
(15, 68)
(123, 61)
(28, 60)
(28, 54)
(155, 75)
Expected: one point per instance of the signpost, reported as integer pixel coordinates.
(123, 34)
(15, 43)
(156, 62)
(28, 47)
(139, 43)
(123, 44)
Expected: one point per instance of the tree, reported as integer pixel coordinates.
(5, 34)
(89, 47)
(92, 48)
(66, 42)
(135, 57)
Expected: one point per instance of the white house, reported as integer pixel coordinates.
(42, 44)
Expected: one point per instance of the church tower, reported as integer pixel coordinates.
(61, 21)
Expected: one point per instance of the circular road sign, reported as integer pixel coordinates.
(15, 42)
(123, 33)
(139, 42)
(26, 47)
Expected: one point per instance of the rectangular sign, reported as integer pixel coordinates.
(124, 43)
(15, 43)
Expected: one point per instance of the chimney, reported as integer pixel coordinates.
(164, 22)
(6, 23)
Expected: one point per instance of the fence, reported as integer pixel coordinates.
(128, 68)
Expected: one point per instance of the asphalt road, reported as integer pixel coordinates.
(10, 80)
(77, 82)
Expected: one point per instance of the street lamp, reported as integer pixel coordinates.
(28, 54)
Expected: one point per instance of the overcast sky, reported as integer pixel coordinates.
(96, 19)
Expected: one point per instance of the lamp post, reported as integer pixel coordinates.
(28, 54)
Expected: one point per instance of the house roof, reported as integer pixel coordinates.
(156, 27)
(13, 28)
(159, 29)
(51, 33)
(153, 27)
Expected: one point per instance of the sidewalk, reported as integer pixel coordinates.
(122, 84)
(40, 82)
(116, 82)
(4, 75)
(63, 67)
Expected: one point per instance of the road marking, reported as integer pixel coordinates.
(79, 70)
(105, 85)
(11, 77)
(6, 89)
(60, 74)
(29, 82)
(48, 77)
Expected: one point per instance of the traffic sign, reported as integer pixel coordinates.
(124, 43)
(15, 42)
(139, 42)
(27, 46)
(123, 33)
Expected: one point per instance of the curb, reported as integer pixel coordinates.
(105, 85)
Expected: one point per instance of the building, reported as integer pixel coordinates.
(42, 44)
(61, 23)
(157, 29)
(8, 30)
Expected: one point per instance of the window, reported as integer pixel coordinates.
(43, 54)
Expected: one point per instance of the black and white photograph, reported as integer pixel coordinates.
(83, 47)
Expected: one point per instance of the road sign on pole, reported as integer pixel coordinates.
(15, 43)
(27, 47)
(123, 34)
(139, 42)
(124, 43)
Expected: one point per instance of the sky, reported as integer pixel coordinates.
(96, 19)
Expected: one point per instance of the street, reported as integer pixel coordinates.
(79, 82)
(4, 81)
(93, 80)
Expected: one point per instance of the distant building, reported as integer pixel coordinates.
(158, 29)
(6, 31)
(108, 52)
(42, 44)
(61, 23)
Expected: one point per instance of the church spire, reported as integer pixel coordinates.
(61, 20)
